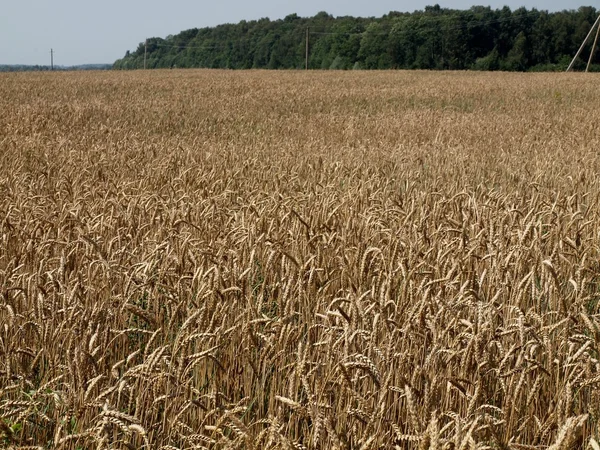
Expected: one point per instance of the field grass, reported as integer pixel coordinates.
(253, 260)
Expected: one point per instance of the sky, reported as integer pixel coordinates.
(88, 32)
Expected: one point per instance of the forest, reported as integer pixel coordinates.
(480, 38)
(45, 68)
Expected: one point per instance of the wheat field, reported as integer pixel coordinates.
(261, 260)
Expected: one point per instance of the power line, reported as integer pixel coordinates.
(383, 33)
(183, 47)
(446, 27)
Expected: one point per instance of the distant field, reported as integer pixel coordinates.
(252, 260)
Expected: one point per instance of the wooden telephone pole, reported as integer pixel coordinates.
(51, 59)
(307, 35)
(587, 38)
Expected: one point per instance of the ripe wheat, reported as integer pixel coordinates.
(207, 259)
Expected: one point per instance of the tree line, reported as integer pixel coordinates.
(479, 38)
(42, 68)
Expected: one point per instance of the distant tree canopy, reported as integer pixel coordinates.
(38, 68)
(436, 38)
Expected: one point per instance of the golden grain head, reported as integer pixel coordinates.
(212, 259)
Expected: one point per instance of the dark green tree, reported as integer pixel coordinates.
(434, 38)
(517, 59)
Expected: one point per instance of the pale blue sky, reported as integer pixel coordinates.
(83, 32)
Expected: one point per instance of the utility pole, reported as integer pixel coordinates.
(583, 45)
(587, 68)
(307, 34)
(145, 52)
(51, 59)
